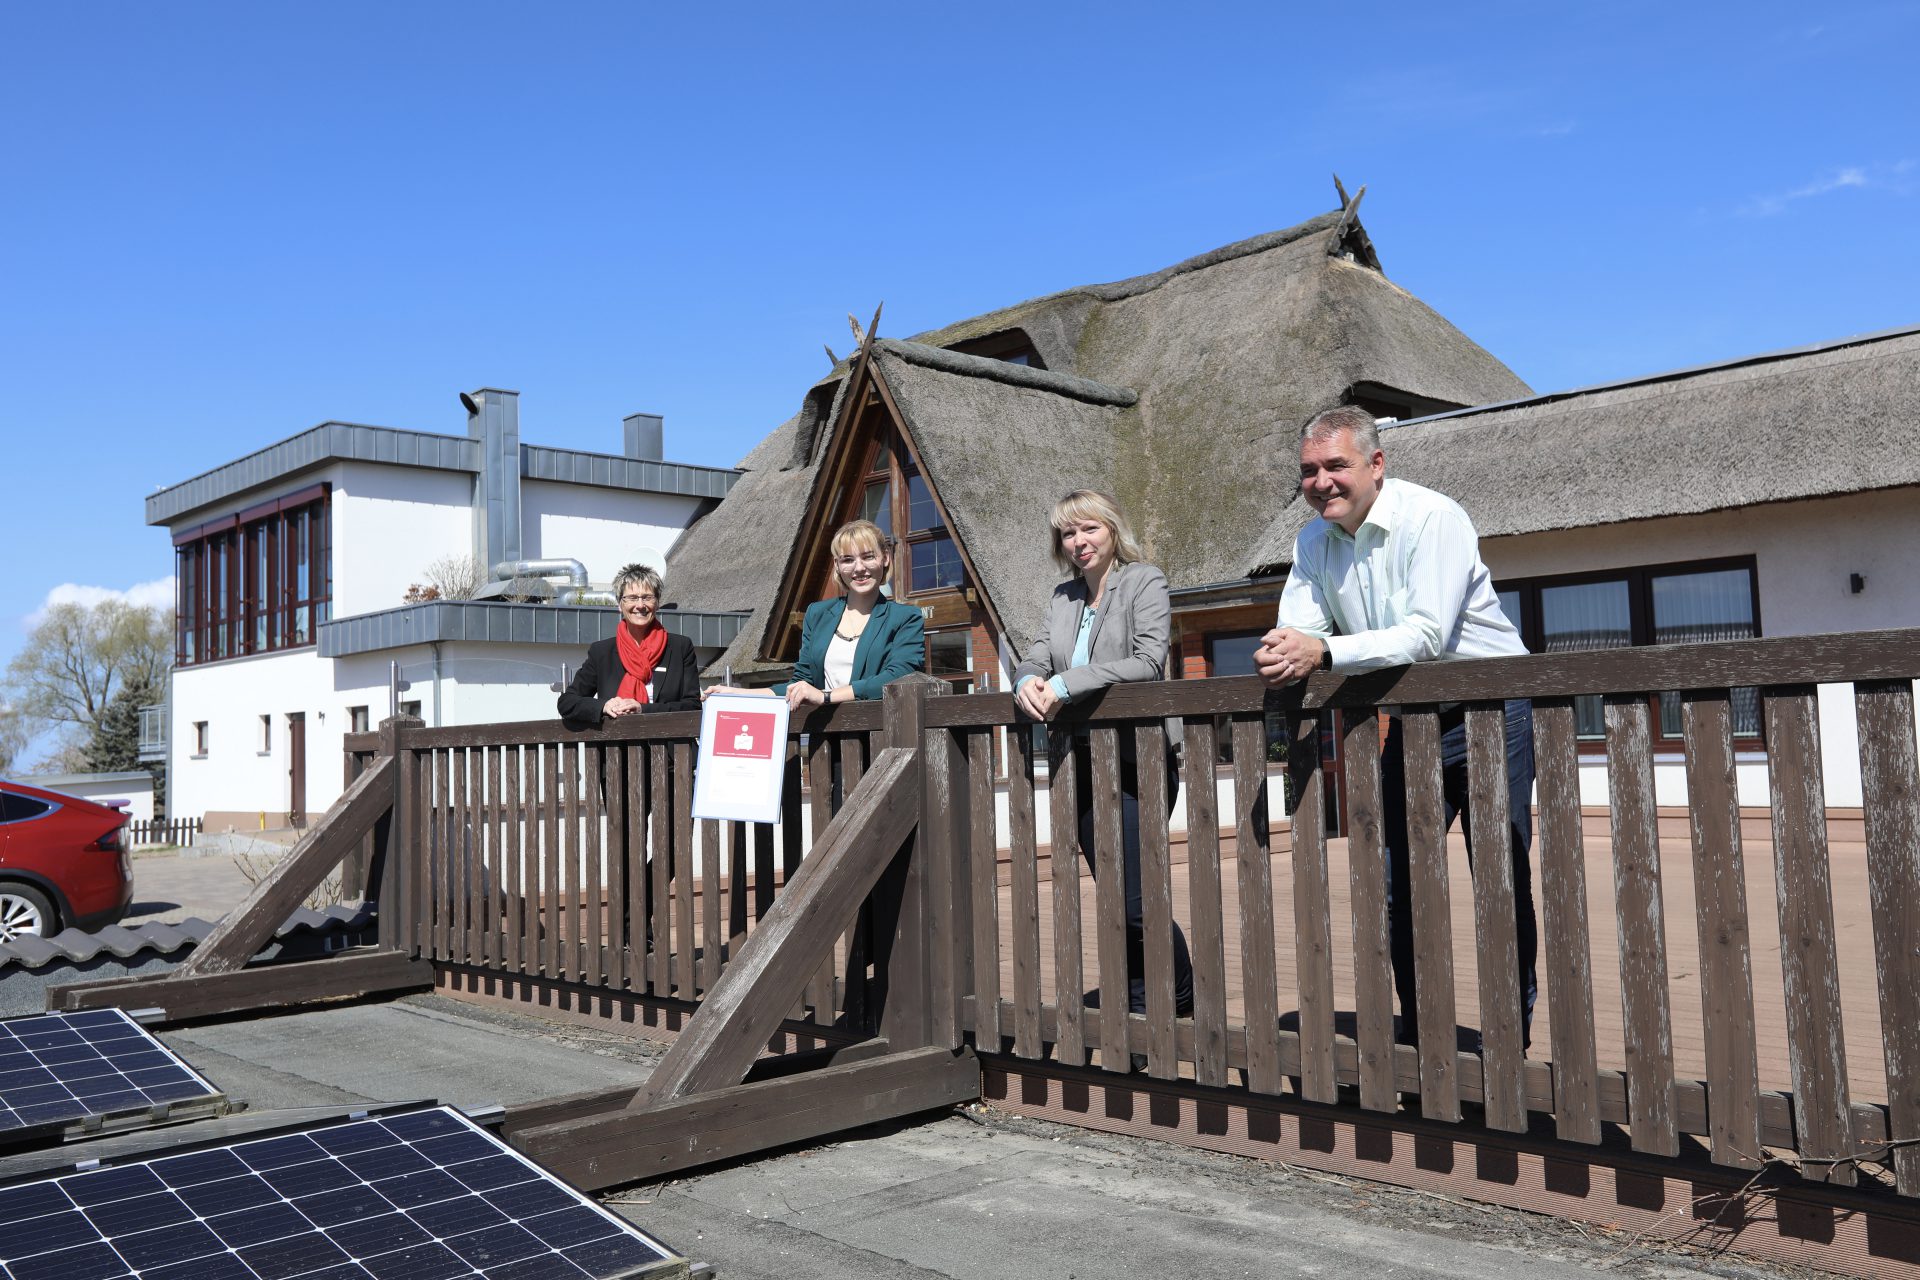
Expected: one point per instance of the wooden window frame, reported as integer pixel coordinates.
(1639, 580)
(225, 606)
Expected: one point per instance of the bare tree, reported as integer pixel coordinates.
(79, 656)
(457, 577)
(15, 734)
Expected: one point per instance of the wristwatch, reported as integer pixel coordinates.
(1326, 656)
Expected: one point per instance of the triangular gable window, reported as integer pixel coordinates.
(872, 470)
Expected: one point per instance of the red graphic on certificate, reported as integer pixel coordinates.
(743, 733)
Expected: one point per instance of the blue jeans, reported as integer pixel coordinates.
(1453, 776)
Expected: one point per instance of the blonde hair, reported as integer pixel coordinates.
(859, 535)
(1091, 504)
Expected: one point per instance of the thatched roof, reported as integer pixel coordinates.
(1755, 430)
(1180, 391)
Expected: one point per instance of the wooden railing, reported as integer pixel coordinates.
(523, 848)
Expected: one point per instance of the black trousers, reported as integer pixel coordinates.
(1453, 777)
(1130, 862)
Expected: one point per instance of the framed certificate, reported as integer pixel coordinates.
(743, 754)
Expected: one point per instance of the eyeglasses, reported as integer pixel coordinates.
(638, 599)
(865, 557)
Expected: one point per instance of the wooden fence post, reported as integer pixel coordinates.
(392, 847)
(900, 917)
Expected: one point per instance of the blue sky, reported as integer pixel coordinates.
(222, 224)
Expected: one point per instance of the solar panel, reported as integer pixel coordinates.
(421, 1195)
(60, 1068)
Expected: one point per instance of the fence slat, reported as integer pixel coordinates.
(634, 847)
(1637, 909)
(660, 859)
(476, 840)
(1312, 909)
(1203, 895)
(1823, 1119)
(513, 954)
(417, 845)
(1367, 889)
(1156, 898)
(1110, 901)
(1720, 898)
(686, 942)
(793, 818)
(573, 898)
(1251, 854)
(593, 937)
(613, 785)
(740, 846)
(859, 934)
(712, 859)
(1025, 907)
(466, 856)
(550, 860)
(492, 942)
(820, 781)
(986, 891)
(1569, 955)
(1432, 916)
(1890, 779)
(1069, 976)
(1503, 1056)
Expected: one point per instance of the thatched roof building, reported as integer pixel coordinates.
(1179, 391)
(1811, 422)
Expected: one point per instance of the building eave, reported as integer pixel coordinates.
(502, 622)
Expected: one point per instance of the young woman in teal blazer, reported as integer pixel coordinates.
(854, 646)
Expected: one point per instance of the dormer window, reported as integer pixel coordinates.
(1009, 345)
(1383, 401)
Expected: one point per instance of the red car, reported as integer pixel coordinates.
(63, 863)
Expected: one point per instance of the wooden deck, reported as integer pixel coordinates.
(1859, 999)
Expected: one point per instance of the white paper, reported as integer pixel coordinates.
(742, 758)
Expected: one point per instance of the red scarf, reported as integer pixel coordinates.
(639, 656)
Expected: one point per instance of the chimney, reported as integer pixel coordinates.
(493, 418)
(646, 437)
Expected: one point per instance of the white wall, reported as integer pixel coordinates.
(235, 774)
(389, 524)
(137, 792)
(1803, 553)
(604, 529)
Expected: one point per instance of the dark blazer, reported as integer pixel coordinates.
(676, 682)
(894, 644)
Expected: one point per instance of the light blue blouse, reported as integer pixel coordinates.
(1082, 653)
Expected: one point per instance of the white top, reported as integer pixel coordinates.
(1410, 587)
(838, 664)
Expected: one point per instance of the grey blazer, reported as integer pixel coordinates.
(1129, 633)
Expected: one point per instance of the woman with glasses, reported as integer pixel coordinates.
(640, 668)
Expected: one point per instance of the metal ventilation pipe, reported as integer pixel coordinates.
(576, 591)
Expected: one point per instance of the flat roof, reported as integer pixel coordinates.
(357, 442)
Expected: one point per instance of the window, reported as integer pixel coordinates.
(1011, 346)
(199, 737)
(1383, 401)
(411, 708)
(254, 582)
(357, 720)
(17, 808)
(895, 496)
(266, 734)
(1627, 608)
(1231, 654)
(950, 657)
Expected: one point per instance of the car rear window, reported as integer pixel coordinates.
(14, 808)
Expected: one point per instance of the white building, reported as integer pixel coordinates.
(294, 563)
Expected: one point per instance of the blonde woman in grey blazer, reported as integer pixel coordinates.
(1107, 624)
